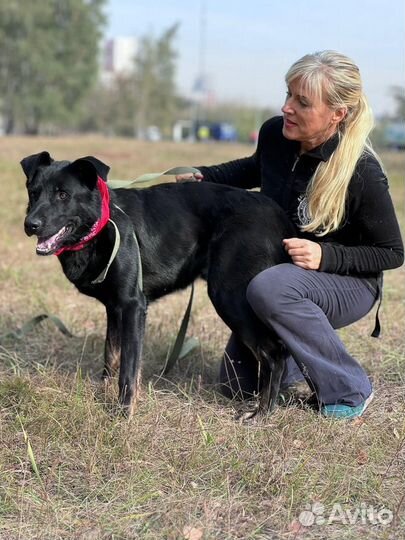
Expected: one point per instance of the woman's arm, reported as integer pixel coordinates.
(242, 173)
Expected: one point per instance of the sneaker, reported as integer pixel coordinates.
(346, 411)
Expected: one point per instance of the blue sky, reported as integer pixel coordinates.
(249, 45)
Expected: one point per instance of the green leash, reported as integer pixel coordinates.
(181, 346)
(19, 333)
(144, 178)
(101, 277)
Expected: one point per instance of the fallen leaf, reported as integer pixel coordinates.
(297, 443)
(362, 457)
(192, 533)
(295, 527)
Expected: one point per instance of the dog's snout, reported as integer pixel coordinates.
(32, 225)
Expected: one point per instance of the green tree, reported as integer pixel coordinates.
(155, 89)
(399, 95)
(110, 108)
(48, 59)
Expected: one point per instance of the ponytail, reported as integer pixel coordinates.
(328, 188)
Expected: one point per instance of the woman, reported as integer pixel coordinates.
(316, 162)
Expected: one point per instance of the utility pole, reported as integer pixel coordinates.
(200, 84)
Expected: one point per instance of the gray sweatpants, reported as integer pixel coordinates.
(304, 307)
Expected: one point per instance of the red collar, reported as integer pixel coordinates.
(99, 224)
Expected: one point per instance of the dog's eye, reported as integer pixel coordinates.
(62, 195)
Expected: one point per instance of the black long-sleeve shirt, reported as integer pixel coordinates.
(367, 242)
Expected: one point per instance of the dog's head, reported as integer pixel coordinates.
(64, 202)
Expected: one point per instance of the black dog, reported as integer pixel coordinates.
(226, 235)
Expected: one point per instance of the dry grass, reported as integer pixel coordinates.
(181, 467)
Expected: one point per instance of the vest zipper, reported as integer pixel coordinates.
(295, 163)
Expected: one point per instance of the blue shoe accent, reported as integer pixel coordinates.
(345, 411)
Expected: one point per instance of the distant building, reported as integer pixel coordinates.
(118, 57)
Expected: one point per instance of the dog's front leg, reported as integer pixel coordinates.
(133, 329)
(112, 353)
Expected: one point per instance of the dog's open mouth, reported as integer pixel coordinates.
(50, 244)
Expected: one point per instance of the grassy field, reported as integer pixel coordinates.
(181, 468)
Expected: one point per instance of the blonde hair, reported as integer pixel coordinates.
(335, 79)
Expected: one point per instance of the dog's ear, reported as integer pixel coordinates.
(31, 163)
(101, 168)
(88, 168)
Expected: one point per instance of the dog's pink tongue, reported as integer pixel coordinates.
(46, 245)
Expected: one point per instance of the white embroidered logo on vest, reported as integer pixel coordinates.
(303, 214)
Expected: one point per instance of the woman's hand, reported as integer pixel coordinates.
(187, 177)
(304, 253)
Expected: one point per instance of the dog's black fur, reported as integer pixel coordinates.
(226, 235)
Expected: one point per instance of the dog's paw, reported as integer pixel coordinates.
(248, 413)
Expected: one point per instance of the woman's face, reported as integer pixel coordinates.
(307, 118)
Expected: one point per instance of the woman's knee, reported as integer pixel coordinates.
(272, 289)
